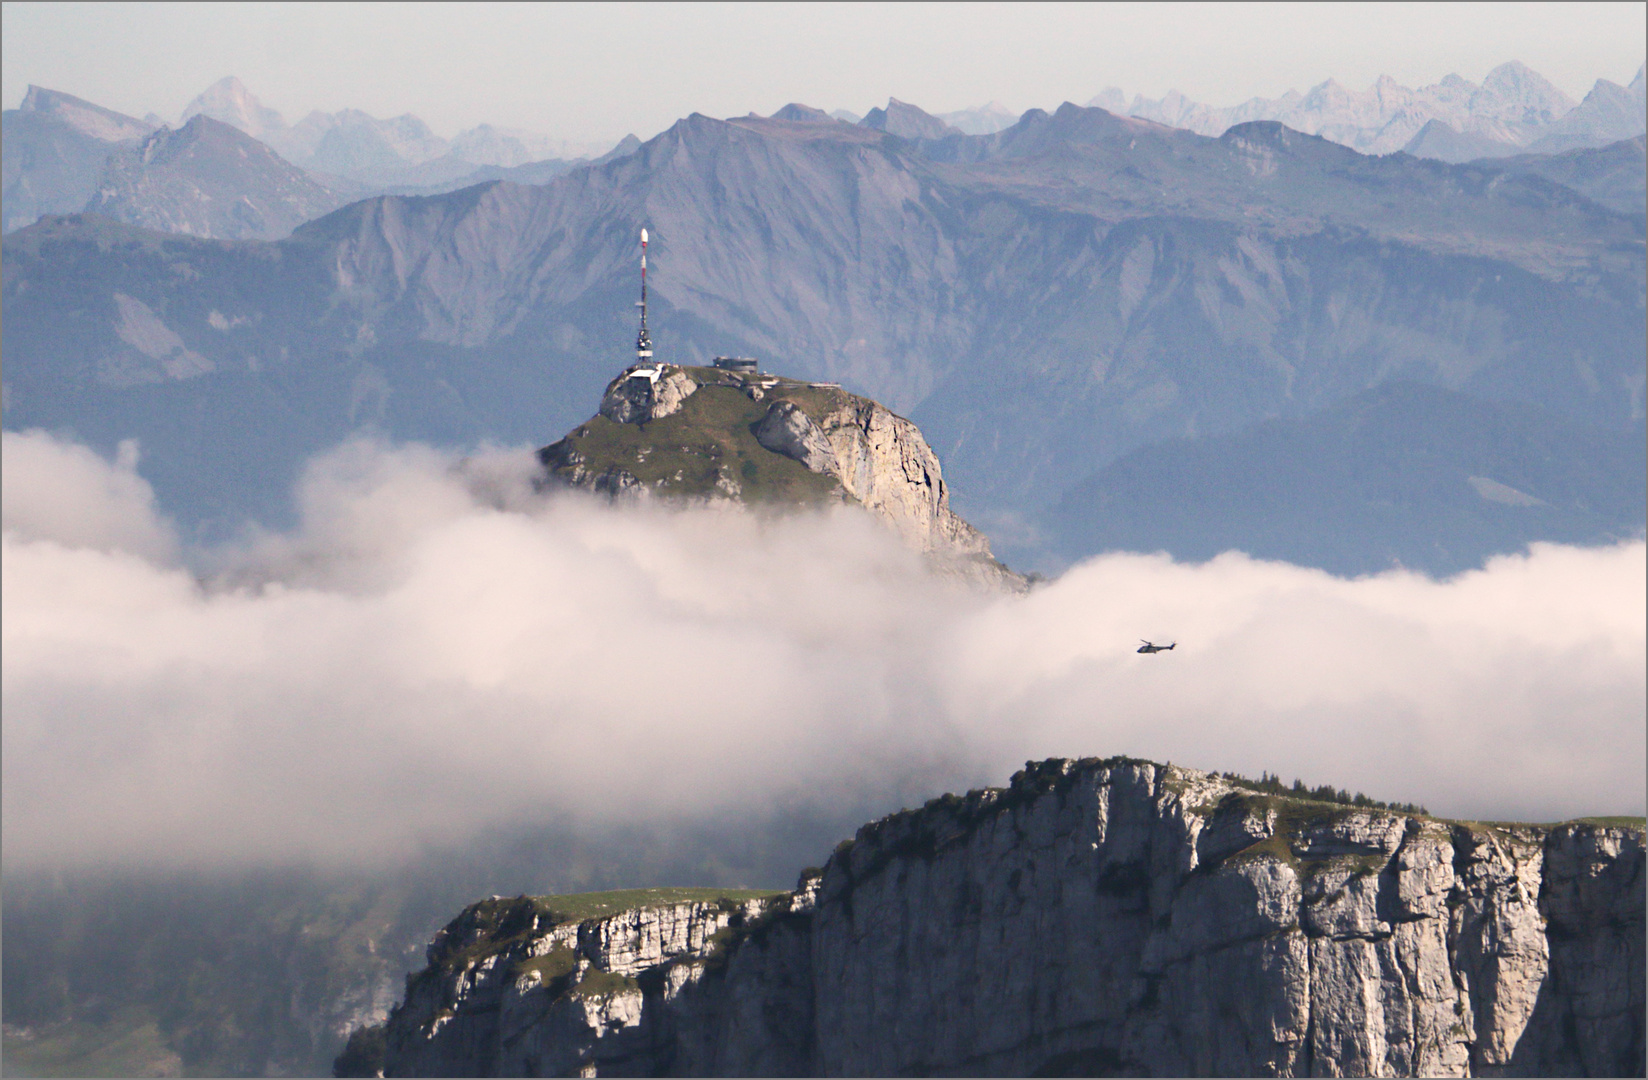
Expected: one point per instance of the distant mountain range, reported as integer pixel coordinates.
(62, 150)
(235, 170)
(400, 151)
(1514, 110)
(1044, 301)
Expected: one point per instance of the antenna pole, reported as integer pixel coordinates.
(643, 343)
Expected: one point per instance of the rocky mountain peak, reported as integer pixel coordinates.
(708, 435)
(229, 102)
(102, 124)
(906, 121)
(1515, 92)
(208, 179)
(1514, 108)
(1111, 99)
(984, 120)
(796, 112)
(167, 144)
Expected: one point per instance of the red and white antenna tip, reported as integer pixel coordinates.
(643, 238)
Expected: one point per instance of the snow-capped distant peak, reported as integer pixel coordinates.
(1514, 107)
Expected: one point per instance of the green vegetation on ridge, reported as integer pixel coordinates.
(709, 440)
(1325, 793)
(576, 907)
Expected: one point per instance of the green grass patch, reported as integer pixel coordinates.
(599, 984)
(816, 402)
(1293, 817)
(1275, 847)
(1517, 832)
(576, 907)
(687, 452)
(553, 965)
(1272, 785)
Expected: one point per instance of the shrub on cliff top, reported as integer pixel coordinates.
(1272, 785)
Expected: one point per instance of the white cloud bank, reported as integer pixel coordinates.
(437, 650)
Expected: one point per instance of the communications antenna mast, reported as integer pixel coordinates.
(643, 343)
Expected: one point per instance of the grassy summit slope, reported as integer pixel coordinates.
(708, 447)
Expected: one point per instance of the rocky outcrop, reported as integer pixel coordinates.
(881, 461)
(788, 430)
(737, 438)
(646, 392)
(1094, 918)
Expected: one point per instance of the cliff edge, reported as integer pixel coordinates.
(1109, 917)
(710, 435)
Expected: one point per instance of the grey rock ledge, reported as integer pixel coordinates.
(1094, 918)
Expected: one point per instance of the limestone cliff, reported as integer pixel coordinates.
(1094, 918)
(707, 434)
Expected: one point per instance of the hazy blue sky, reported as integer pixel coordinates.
(599, 71)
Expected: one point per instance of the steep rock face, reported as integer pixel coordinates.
(646, 392)
(557, 986)
(882, 462)
(703, 433)
(1095, 918)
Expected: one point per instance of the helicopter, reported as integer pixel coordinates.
(1148, 647)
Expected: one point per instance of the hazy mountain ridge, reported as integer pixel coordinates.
(398, 152)
(208, 179)
(1033, 296)
(1423, 476)
(56, 146)
(906, 121)
(1264, 176)
(1609, 112)
(1514, 108)
(985, 119)
(240, 172)
(1615, 175)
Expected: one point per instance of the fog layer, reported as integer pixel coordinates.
(437, 651)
